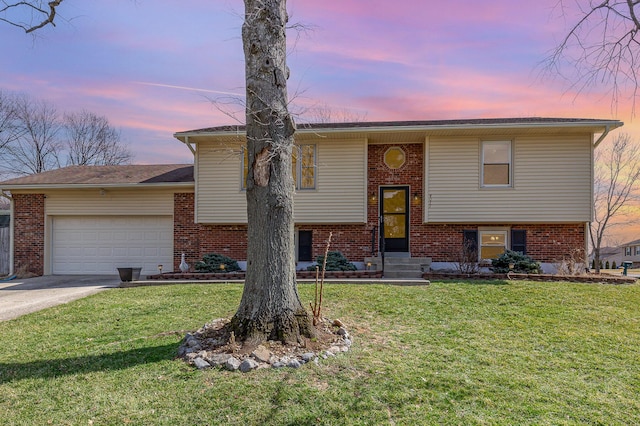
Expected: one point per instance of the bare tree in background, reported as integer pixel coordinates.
(602, 46)
(37, 147)
(617, 172)
(91, 140)
(9, 129)
(29, 15)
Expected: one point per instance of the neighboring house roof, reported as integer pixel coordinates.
(429, 125)
(632, 243)
(121, 175)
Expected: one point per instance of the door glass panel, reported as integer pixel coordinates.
(394, 201)
(394, 226)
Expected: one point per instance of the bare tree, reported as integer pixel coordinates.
(270, 307)
(37, 147)
(602, 46)
(617, 171)
(9, 129)
(91, 140)
(29, 15)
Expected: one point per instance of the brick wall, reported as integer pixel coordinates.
(29, 240)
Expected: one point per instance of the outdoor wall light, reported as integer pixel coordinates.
(373, 198)
(160, 268)
(416, 198)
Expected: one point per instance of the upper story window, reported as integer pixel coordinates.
(303, 164)
(637, 250)
(496, 163)
(627, 251)
(394, 157)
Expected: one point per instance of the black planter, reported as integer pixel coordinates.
(129, 274)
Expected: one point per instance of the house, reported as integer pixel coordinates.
(631, 253)
(419, 189)
(609, 254)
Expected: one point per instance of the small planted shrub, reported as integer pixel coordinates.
(614, 265)
(606, 265)
(335, 262)
(521, 263)
(216, 263)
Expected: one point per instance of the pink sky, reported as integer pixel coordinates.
(152, 66)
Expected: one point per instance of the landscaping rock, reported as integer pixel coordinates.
(201, 363)
(248, 365)
(294, 363)
(262, 354)
(232, 364)
(309, 356)
(217, 359)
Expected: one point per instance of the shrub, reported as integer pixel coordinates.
(521, 263)
(614, 265)
(335, 262)
(213, 262)
(606, 265)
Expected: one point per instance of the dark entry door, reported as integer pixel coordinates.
(394, 209)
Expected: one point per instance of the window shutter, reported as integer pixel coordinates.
(470, 240)
(519, 240)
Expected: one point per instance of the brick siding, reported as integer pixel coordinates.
(29, 241)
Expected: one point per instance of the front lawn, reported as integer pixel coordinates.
(449, 353)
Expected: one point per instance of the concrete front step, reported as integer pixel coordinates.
(405, 267)
(402, 274)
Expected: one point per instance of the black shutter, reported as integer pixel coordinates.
(519, 240)
(470, 241)
(304, 246)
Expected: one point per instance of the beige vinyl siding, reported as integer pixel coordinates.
(551, 182)
(219, 195)
(111, 202)
(339, 196)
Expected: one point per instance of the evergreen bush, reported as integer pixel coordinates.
(335, 262)
(213, 262)
(521, 263)
(606, 265)
(614, 265)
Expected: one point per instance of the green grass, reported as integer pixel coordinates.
(450, 353)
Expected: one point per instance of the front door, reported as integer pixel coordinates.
(394, 211)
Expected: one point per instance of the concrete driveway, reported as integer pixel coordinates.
(19, 297)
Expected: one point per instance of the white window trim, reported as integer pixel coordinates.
(482, 163)
(492, 230)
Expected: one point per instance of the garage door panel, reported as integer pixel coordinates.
(99, 245)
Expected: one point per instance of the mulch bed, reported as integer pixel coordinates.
(591, 278)
(197, 276)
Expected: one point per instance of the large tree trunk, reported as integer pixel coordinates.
(270, 308)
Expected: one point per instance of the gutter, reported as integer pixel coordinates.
(44, 187)
(608, 124)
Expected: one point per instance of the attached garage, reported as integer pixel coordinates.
(91, 220)
(101, 244)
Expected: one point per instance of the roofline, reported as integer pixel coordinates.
(611, 124)
(44, 186)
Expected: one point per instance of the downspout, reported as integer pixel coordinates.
(11, 231)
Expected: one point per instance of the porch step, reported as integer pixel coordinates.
(402, 267)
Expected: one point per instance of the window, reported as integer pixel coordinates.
(637, 250)
(303, 163)
(627, 251)
(496, 163)
(492, 244)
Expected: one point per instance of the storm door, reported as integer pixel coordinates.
(394, 211)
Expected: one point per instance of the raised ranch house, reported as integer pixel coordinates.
(414, 190)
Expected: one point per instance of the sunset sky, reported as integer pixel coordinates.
(153, 67)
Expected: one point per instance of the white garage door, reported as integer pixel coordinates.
(100, 244)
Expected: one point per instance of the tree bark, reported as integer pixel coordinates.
(270, 308)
